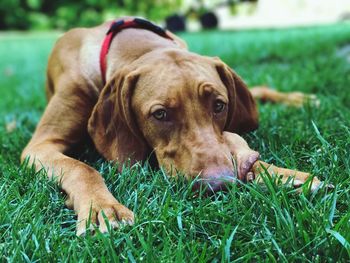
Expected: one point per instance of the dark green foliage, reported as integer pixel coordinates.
(249, 223)
(64, 14)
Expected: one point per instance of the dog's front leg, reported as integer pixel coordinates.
(86, 191)
(61, 126)
(250, 168)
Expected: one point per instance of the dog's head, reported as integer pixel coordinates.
(177, 104)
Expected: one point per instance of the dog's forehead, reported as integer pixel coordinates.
(175, 71)
(174, 79)
(159, 81)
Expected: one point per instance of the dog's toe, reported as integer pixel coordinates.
(86, 223)
(314, 184)
(250, 177)
(107, 220)
(298, 99)
(104, 217)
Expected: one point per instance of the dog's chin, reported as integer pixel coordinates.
(153, 161)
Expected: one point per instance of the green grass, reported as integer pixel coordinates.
(250, 222)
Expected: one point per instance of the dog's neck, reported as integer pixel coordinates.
(131, 44)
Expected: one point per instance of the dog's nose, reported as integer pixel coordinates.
(213, 181)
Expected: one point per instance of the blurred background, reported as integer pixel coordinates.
(177, 15)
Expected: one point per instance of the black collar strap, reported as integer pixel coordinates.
(137, 23)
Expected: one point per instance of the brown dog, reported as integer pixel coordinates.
(157, 97)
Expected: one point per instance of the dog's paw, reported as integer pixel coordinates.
(244, 157)
(301, 181)
(245, 160)
(298, 99)
(102, 214)
(309, 182)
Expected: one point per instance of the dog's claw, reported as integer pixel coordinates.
(250, 177)
(114, 224)
(130, 222)
(83, 229)
(297, 183)
(330, 186)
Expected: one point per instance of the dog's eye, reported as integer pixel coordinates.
(219, 106)
(160, 115)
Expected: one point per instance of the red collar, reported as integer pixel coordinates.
(119, 25)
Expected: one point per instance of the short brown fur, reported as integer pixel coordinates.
(144, 70)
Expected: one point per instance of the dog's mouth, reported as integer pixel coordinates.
(208, 175)
(214, 180)
(213, 185)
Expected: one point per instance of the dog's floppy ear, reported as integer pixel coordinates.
(242, 111)
(111, 124)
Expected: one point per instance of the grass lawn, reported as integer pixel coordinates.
(249, 223)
